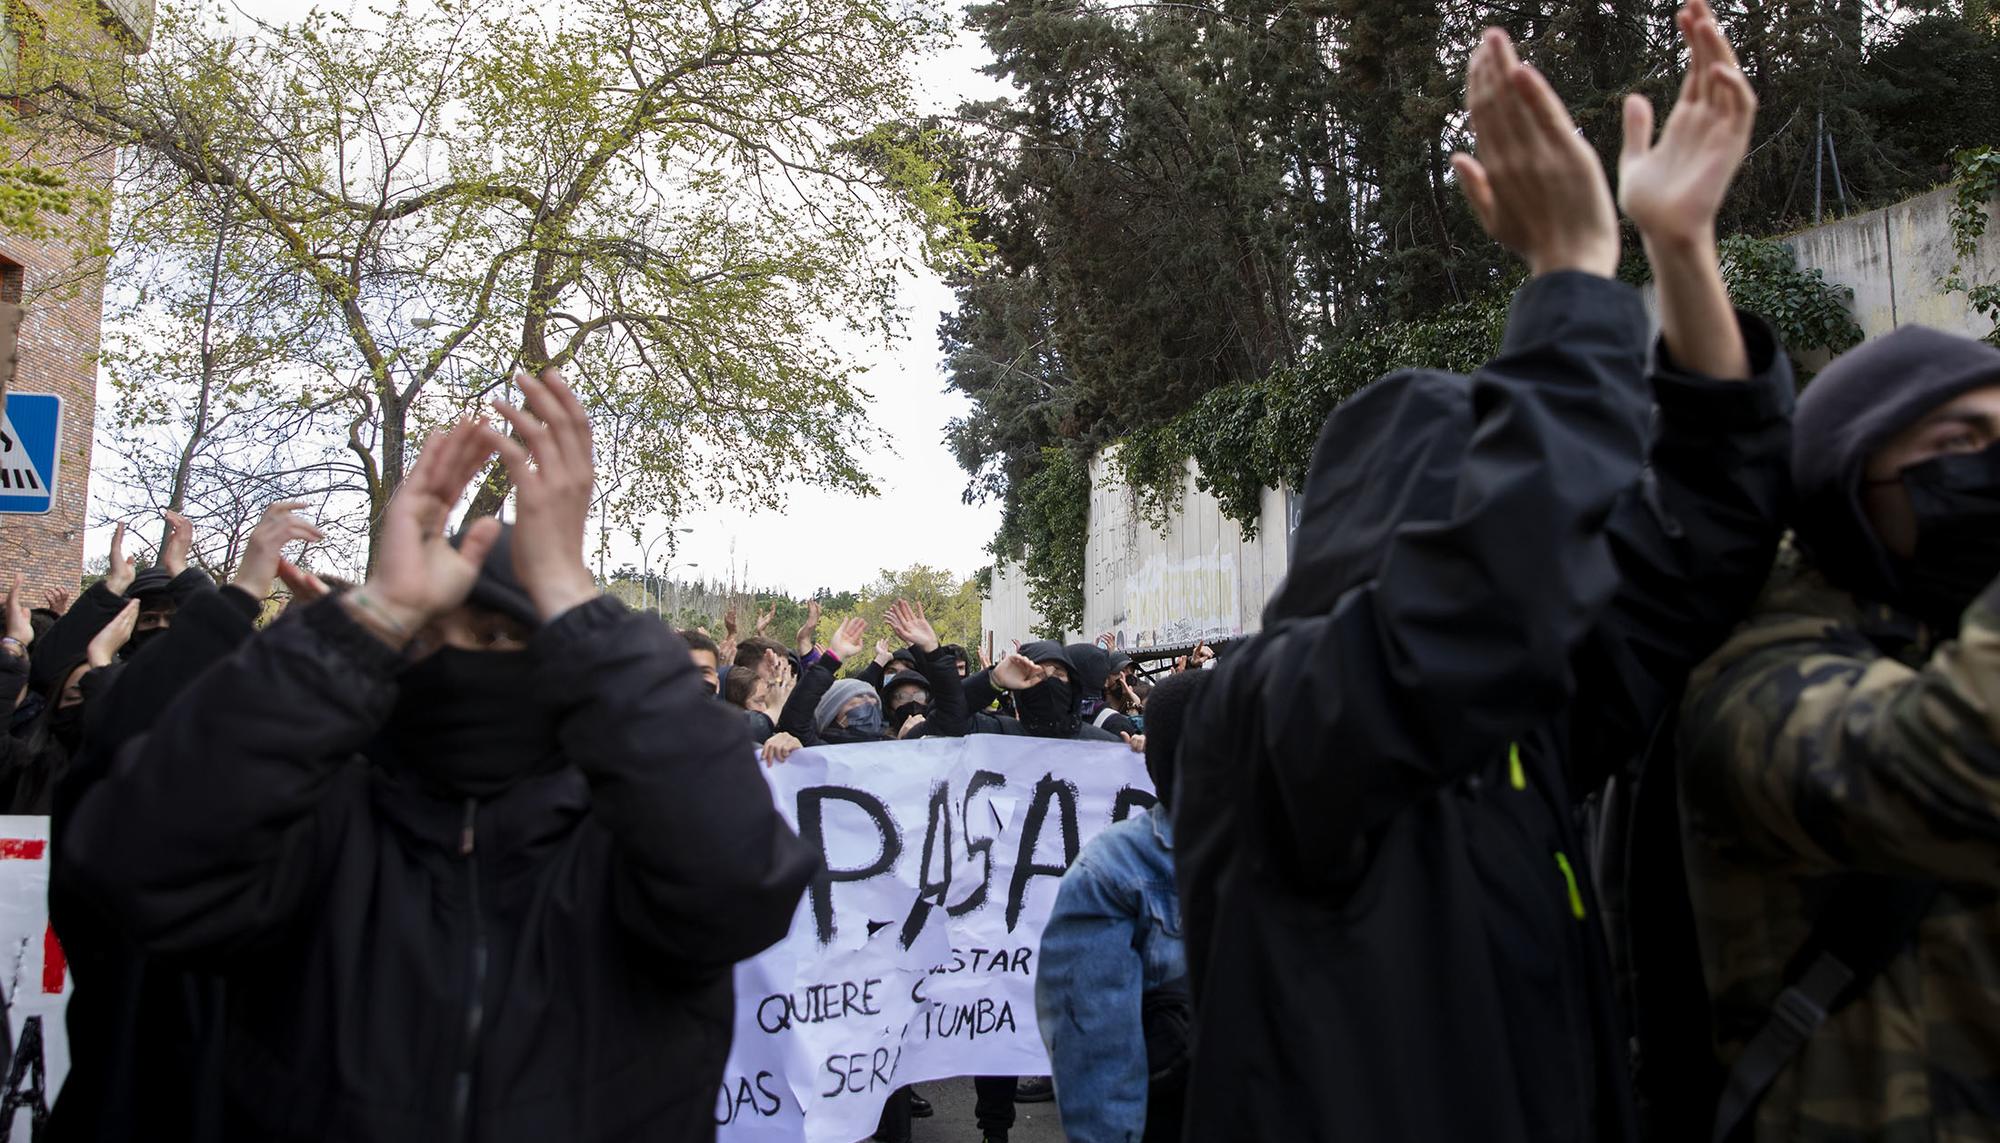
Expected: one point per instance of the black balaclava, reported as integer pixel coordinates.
(1049, 709)
(150, 588)
(472, 723)
(902, 714)
(1166, 719)
(1849, 411)
(1093, 667)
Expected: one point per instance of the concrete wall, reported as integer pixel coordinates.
(1203, 580)
(1893, 258)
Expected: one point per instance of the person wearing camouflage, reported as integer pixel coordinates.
(1852, 727)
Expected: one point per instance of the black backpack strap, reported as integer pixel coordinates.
(1866, 923)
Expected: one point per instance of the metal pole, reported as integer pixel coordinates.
(1819, 162)
(1839, 184)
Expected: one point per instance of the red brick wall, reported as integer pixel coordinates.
(64, 302)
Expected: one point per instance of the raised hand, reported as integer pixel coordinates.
(907, 620)
(180, 541)
(56, 600)
(764, 620)
(553, 476)
(808, 635)
(120, 572)
(1536, 186)
(729, 622)
(779, 747)
(303, 584)
(105, 645)
(846, 642)
(20, 628)
(1108, 640)
(779, 691)
(1016, 673)
(418, 574)
(1672, 188)
(280, 525)
(882, 652)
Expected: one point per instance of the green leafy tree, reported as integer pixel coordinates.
(683, 205)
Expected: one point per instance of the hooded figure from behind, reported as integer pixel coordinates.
(489, 887)
(1495, 581)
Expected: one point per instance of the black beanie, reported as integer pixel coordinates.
(1851, 409)
(498, 588)
(1166, 718)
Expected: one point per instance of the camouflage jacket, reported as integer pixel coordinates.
(1829, 735)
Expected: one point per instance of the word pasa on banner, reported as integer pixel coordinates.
(35, 978)
(914, 956)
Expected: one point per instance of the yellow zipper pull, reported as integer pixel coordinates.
(1514, 771)
(1569, 878)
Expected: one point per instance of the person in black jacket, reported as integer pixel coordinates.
(144, 1044)
(1497, 583)
(472, 846)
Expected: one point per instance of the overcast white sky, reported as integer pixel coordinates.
(822, 540)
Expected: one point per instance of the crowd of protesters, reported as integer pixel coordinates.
(1619, 760)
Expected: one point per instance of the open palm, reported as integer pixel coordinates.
(1673, 187)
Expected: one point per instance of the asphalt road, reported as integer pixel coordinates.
(953, 1123)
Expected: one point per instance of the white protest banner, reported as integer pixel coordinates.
(914, 958)
(34, 975)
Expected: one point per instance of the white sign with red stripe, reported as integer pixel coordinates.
(34, 978)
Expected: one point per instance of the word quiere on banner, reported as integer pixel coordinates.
(935, 871)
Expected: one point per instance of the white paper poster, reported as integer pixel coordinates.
(915, 958)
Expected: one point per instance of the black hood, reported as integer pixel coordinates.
(498, 588)
(901, 678)
(1166, 724)
(1856, 404)
(1389, 456)
(1049, 651)
(151, 584)
(1092, 667)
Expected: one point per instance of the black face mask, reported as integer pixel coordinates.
(140, 639)
(468, 723)
(66, 727)
(1956, 501)
(1048, 709)
(908, 711)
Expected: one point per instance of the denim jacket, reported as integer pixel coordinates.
(1115, 932)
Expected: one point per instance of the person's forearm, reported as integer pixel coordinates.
(1697, 320)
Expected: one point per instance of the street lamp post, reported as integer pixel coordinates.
(646, 565)
(675, 587)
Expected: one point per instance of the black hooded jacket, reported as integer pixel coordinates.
(144, 1031)
(1390, 929)
(1053, 709)
(551, 962)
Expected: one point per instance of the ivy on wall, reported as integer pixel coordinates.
(1805, 310)
(1978, 185)
(1246, 438)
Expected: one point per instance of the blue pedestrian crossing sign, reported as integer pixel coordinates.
(28, 439)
